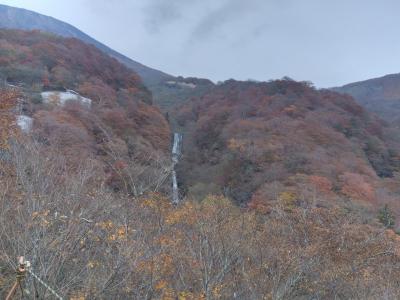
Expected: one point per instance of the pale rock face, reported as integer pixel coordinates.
(60, 98)
(181, 84)
(25, 123)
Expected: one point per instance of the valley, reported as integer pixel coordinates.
(119, 181)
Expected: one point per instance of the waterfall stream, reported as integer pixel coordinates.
(176, 152)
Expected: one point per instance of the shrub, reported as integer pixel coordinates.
(386, 217)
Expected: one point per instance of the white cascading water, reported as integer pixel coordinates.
(176, 152)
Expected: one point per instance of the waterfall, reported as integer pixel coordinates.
(175, 190)
(176, 152)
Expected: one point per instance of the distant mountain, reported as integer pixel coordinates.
(379, 95)
(18, 18)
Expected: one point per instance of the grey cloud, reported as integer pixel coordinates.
(159, 13)
(328, 42)
(230, 11)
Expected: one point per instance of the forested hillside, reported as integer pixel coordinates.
(18, 18)
(167, 90)
(290, 192)
(120, 127)
(261, 142)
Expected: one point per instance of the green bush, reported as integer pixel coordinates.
(386, 217)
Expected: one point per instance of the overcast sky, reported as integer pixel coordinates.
(330, 42)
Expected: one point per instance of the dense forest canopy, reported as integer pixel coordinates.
(250, 141)
(37, 58)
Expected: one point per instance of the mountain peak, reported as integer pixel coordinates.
(18, 18)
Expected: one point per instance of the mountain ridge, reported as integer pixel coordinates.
(379, 95)
(19, 18)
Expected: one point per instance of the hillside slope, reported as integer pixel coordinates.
(256, 141)
(379, 95)
(166, 95)
(82, 193)
(18, 18)
(113, 123)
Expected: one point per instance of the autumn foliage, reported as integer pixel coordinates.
(245, 140)
(98, 244)
(32, 57)
(120, 125)
(8, 101)
(282, 186)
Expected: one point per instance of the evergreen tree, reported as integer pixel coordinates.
(386, 217)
